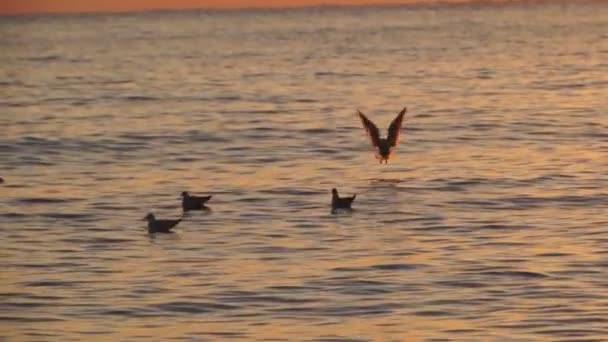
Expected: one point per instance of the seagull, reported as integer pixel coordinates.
(340, 203)
(383, 146)
(160, 226)
(193, 202)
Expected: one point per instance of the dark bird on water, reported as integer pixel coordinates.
(1, 180)
(193, 202)
(338, 202)
(383, 146)
(160, 226)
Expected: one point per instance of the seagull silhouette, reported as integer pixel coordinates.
(338, 202)
(383, 146)
(193, 202)
(160, 226)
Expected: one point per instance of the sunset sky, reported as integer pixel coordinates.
(34, 6)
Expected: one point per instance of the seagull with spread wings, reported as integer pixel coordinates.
(383, 146)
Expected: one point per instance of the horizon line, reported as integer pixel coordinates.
(405, 3)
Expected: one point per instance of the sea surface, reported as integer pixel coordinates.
(489, 224)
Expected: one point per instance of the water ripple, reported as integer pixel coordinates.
(489, 224)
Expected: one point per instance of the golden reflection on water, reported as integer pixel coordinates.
(488, 223)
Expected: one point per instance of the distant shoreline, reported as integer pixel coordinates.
(10, 12)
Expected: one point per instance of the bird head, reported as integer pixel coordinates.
(149, 217)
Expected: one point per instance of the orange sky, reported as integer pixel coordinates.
(28, 6)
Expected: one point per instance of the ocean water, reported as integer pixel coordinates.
(490, 223)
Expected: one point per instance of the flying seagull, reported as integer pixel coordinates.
(190, 202)
(338, 202)
(160, 226)
(383, 146)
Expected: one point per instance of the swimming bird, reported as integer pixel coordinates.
(193, 202)
(1, 180)
(383, 146)
(338, 202)
(160, 226)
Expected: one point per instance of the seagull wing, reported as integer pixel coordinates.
(370, 128)
(394, 130)
(168, 224)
